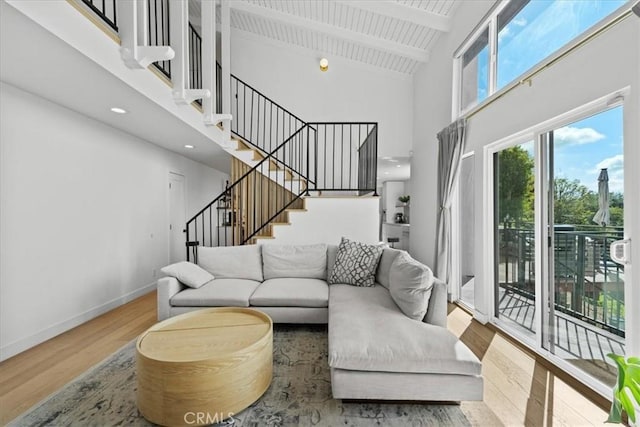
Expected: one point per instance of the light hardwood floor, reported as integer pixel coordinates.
(520, 389)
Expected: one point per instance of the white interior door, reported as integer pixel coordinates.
(177, 218)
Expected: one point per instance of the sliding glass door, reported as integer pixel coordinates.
(514, 242)
(585, 212)
(558, 204)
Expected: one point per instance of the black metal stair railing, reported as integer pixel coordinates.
(247, 207)
(317, 157)
(258, 120)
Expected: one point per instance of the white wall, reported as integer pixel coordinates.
(432, 112)
(349, 91)
(328, 219)
(84, 220)
(608, 63)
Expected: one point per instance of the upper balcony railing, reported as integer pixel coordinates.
(105, 9)
(158, 30)
(588, 284)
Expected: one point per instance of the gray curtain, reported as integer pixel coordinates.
(451, 147)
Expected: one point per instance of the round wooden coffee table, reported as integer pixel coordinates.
(202, 367)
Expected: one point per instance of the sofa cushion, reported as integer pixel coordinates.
(291, 292)
(188, 274)
(232, 262)
(367, 332)
(386, 259)
(300, 261)
(356, 263)
(410, 285)
(217, 293)
(332, 251)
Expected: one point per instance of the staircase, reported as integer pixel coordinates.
(278, 161)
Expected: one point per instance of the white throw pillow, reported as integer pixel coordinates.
(410, 285)
(188, 273)
(356, 263)
(232, 262)
(299, 261)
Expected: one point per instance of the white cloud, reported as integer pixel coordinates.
(614, 163)
(576, 136)
(615, 170)
(504, 33)
(520, 22)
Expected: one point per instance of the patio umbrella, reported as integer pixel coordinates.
(602, 217)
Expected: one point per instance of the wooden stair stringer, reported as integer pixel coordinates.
(238, 169)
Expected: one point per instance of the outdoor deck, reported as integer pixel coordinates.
(576, 341)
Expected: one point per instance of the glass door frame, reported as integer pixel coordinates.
(543, 285)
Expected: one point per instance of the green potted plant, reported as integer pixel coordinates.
(626, 392)
(404, 199)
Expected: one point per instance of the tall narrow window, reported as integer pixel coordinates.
(526, 32)
(475, 71)
(529, 31)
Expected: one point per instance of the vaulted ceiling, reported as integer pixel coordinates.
(396, 35)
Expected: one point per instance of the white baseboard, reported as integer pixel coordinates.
(23, 344)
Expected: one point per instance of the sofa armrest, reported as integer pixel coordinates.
(437, 310)
(167, 288)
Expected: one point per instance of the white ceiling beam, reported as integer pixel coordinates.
(399, 11)
(333, 31)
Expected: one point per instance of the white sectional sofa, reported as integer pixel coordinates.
(376, 351)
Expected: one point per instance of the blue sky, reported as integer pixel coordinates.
(538, 30)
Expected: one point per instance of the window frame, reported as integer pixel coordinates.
(490, 21)
(536, 133)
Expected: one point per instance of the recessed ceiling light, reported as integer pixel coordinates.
(387, 158)
(118, 110)
(189, 146)
(386, 173)
(398, 166)
(393, 161)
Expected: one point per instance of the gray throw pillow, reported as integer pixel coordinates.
(410, 285)
(355, 264)
(188, 274)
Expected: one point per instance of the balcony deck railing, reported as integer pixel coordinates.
(589, 286)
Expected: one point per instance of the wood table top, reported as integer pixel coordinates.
(212, 333)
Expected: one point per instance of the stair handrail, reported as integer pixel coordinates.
(233, 76)
(271, 157)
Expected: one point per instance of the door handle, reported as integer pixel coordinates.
(620, 251)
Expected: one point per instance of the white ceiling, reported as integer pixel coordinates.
(35, 61)
(393, 35)
(394, 169)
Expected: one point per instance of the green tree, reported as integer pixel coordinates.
(573, 202)
(515, 184)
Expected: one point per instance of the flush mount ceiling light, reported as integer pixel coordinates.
(189, 146)
(324, 64)
(118, 110)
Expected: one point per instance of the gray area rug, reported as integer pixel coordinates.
(300, 394)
